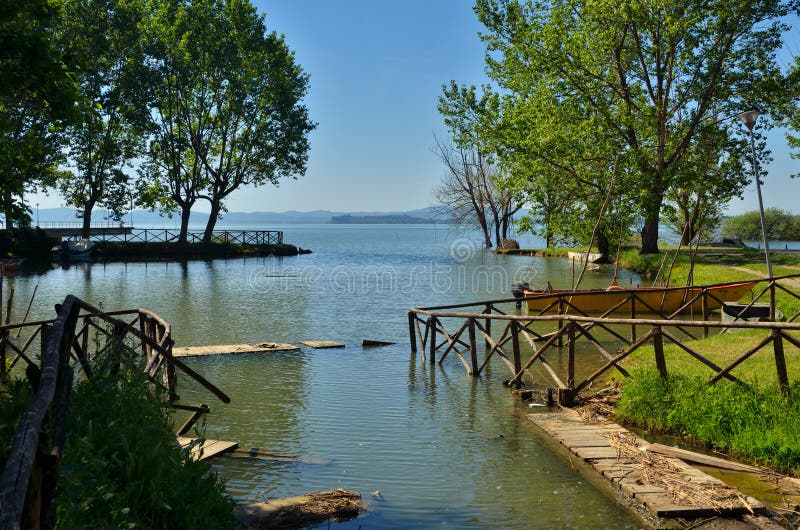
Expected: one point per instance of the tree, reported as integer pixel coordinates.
(111, 125)
(781, 225)
(258, 130)
(461, 194)
(713, 168)
(227, 106)
(645, 75)
(36, 97)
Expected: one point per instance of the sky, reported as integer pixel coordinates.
(376, 70)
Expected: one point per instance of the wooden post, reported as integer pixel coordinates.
(412, 335)
(560, 322)
(571, 357)
(3, 339)
(658, 347)
(516, 352)
(432, 335)
(633, 317)
(780, 360)
(473, 347)
(772, 300)
(704, 302)
(488, 328)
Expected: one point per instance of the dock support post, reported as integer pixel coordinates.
(473, 347)
(412, 335)
(432, 335)
(780, 360)
(488, 328)
(516, 352)
(658, 347)
(571, 357)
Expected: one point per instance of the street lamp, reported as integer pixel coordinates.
(749, 119)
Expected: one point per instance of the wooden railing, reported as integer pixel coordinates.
(85, 334)
(427, 325)
(148, 235)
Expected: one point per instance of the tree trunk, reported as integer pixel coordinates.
(603, 246)
(86, 227)
(688, 234)
(9, 211)
(186, 210)
(212, 221)
(650, 235)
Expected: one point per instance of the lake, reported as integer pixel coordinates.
(437, 448)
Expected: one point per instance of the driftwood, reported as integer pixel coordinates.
(301, 511)
(698, 458)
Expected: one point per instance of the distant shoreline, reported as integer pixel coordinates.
(391, 219)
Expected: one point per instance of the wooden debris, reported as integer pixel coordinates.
(203, 449)
(698, 458)
(322, 344)
(278, 456)
(665, 486)
(229, 349)
(369, 343)
(302, 510)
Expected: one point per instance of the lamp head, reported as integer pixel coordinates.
(749, 118)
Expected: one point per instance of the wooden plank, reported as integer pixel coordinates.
(371, 343)
(230, 349)
(203, 449)
(698, 458)
(322, 344)
(590, 442)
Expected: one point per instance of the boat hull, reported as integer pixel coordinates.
(643, 299)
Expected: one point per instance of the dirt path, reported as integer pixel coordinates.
(794, 282)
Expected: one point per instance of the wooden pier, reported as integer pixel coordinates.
(661, 487)
(231, 349)
(203, 449)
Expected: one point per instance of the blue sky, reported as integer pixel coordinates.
(376, 70)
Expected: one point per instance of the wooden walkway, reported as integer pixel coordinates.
(662, 489)
(229, 349)
(202, 449)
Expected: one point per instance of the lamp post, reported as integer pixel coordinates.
(749, 119)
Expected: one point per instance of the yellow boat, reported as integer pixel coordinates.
(664, 300)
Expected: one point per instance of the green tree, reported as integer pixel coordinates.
(643, 77)
(227, 106)
(37, 92)
(112, 110)
(712, 169)
(781, 225)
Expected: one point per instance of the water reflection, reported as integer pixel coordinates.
(443, 448)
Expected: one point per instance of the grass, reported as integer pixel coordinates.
(758, 425)
(122, 467)
(755, 422)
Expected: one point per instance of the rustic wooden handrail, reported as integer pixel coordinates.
(54, 373)
(572, 327)
(27, 497)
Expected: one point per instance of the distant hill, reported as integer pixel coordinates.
(403, 219)
(144, 218)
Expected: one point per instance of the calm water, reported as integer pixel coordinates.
(443, 449)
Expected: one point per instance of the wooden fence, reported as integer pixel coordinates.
(28, 481)
(147, 235)
(430, 335)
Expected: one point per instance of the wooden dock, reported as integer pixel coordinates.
(321, 344)
(659, 486)
(203, 449)
(230, 349)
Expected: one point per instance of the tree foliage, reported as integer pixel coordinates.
(781, 225)
(636, 85)
(37, 92)
(227, 100)
(112, 119)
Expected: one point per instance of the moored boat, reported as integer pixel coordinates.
(665, 300)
